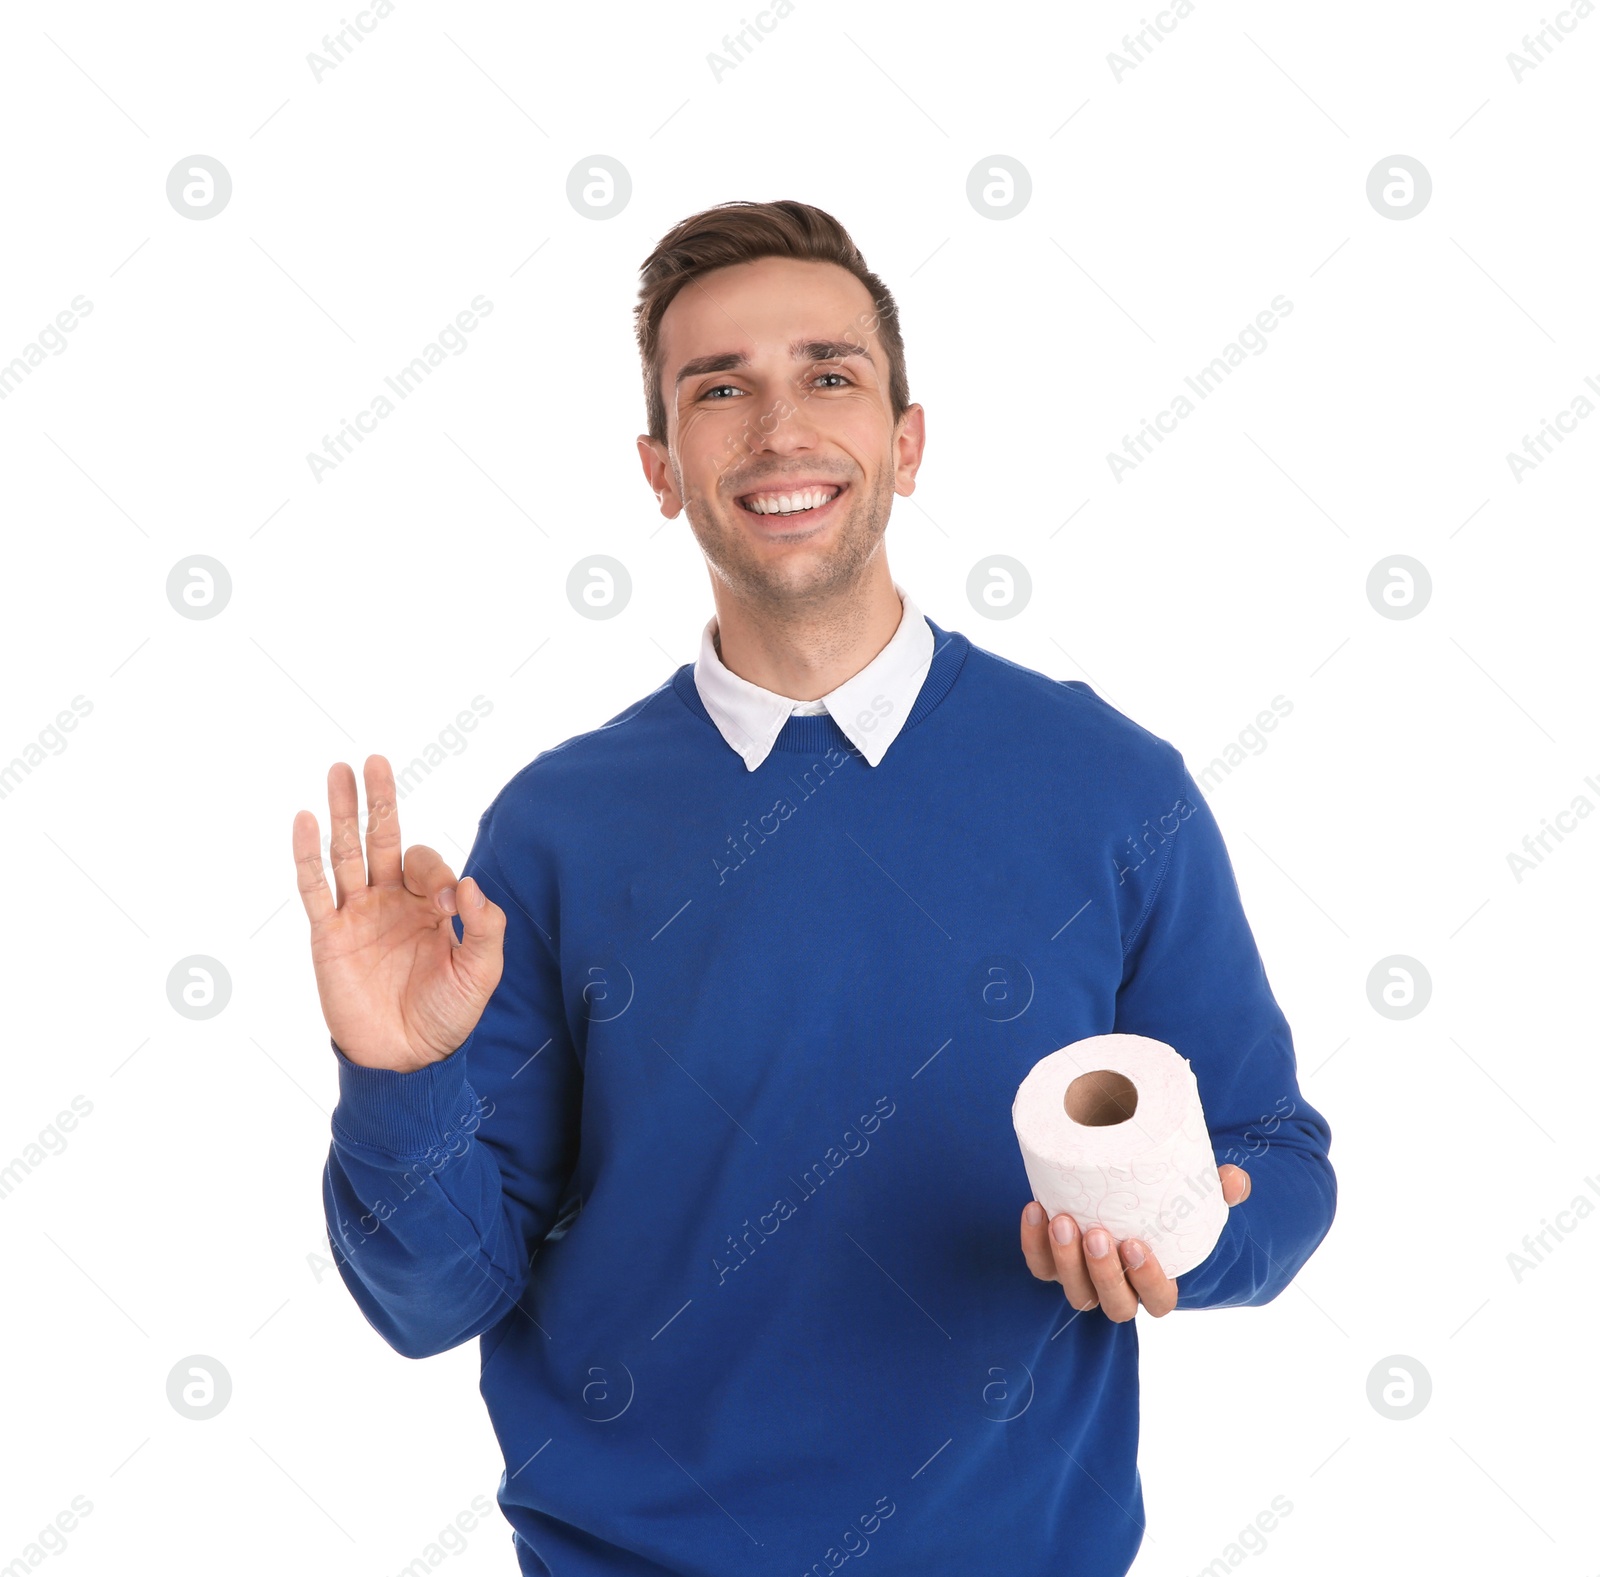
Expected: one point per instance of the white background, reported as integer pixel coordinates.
(1168, 208)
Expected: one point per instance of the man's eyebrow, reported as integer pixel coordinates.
(800, 349)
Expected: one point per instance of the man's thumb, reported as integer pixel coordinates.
(483, 924)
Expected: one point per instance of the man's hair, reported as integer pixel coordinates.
(741, 232)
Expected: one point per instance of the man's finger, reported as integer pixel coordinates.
(1235, 1184)
(383, 824)
(1117, 1298)
(426, 874)
(344, 848)
(1156, 1290)
(1066, 1248)
(1036, 1242)
(309, 877)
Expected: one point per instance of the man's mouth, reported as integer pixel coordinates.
(792, 500)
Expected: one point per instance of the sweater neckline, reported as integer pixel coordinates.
(810, 734)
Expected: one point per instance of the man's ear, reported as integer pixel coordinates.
(658, 473)
(910, 437)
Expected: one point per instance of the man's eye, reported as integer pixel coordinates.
(718, 388)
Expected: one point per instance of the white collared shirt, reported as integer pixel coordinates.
(751, 718)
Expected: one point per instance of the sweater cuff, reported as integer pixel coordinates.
(403, 1115)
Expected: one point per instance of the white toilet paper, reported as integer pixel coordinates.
(1112, 1133)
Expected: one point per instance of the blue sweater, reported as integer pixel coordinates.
(725, 1181)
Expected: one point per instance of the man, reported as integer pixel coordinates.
(697, 1111)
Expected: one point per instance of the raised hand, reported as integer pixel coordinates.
(398, 991)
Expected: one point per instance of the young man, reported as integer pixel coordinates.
(698, 1111)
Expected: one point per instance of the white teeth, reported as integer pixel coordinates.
(791, 503)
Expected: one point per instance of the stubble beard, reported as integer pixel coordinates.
(788, 585)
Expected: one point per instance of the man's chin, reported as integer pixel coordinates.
(778, 557)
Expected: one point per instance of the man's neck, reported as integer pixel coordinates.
(806, 652)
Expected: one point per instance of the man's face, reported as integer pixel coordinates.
(777, 396)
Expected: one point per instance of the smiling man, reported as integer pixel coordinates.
(691, 1098)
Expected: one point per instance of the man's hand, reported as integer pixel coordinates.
(1096, 1272)
(398, 990)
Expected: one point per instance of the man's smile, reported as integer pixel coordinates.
(811, 499)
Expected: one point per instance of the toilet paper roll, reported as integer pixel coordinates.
(1112, 1134)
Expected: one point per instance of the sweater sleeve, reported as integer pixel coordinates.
(441, 1184)
(1192, 977)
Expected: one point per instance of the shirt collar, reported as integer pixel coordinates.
(870, 707)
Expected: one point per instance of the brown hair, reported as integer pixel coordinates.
(741, 232)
